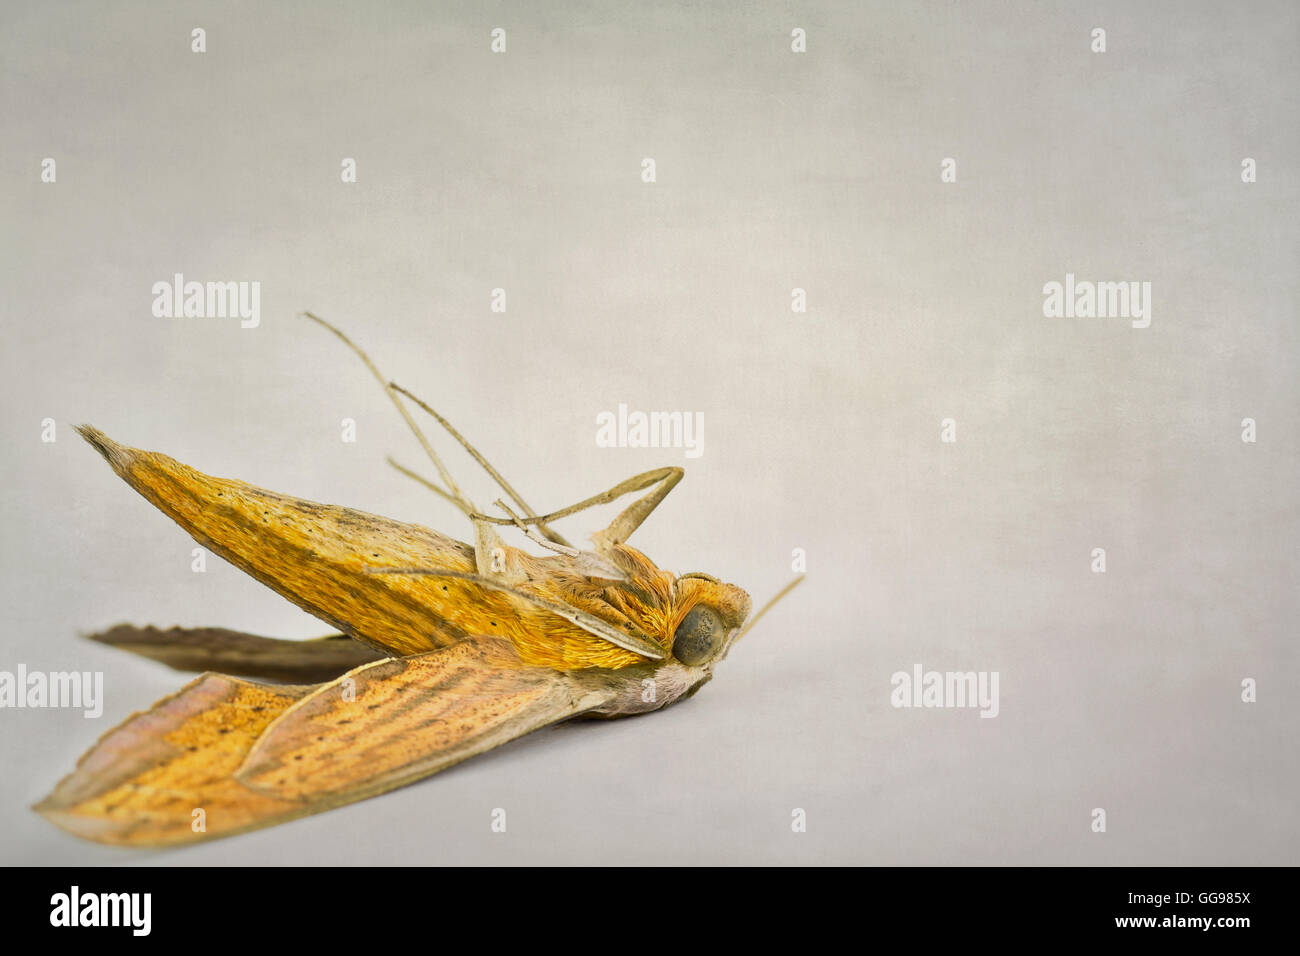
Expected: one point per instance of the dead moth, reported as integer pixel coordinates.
(445, 649)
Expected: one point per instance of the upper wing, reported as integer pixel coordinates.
(322, 558)
(315, 555)
(248, 756)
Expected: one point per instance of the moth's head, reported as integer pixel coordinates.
(708, 614)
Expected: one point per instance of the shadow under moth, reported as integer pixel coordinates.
(445, 649)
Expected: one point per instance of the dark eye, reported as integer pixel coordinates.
(699, 637)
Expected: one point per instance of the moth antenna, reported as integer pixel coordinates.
(634, 641)
(483, 462)
(771, 603)
(456, 497)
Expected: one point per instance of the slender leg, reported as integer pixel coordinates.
(532, 535)
(630, 518)
(620, 529)
(421, 479)
(667, 476)
(456, 497)
(487, 543)
(496, 475)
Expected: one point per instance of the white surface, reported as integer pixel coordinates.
(775, 170)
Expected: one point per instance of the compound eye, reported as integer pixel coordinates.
(699, 637)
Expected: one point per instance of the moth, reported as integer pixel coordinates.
(444, 649)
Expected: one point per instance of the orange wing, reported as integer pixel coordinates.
(321, 557)
(224, 755)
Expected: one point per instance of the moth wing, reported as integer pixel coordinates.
(337, 564)
(166, 775)
(387, 724)
(247, 755)
(243, 655)
(315, 555)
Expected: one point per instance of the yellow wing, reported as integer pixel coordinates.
(223, 755)
(385, 724)
(324, 558)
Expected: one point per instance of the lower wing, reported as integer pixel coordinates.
(242, 655)
(224, 755)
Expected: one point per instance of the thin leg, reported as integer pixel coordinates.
(630, 518)
(621, 528)
(531, 532)
(618, 531)
(456, 497)
(668, 476)
(474, 453)
(487, 542)
(421, 479)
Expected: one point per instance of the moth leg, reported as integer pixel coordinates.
(661, 481)
(630, 518)
(454, 495)
(531, 533)
(619, 530)
(492, 557)
(490, 554)
(588, 563)
(420, 478)
(486, 465)
(243, 655)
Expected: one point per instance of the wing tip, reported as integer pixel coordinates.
(119, 456)
(120, 634)
(102, 831)
(62, 814)
(45, 806)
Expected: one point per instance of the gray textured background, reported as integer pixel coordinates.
(775, 170)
